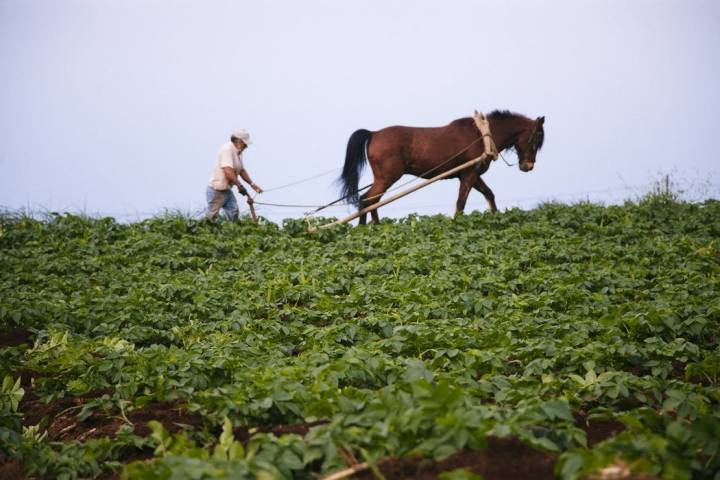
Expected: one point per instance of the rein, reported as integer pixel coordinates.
(506, 162)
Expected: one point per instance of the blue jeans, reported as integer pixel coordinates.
(224, 199)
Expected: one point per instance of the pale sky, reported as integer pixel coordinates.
(118, 107)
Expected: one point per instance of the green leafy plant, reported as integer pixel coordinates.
(233, 349)
(10, 395)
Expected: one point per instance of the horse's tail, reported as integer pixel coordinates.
(355, 159)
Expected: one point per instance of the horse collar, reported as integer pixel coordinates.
(483, 125)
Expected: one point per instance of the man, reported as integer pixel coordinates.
(228, 166)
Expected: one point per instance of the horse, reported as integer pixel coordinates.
(427, 152)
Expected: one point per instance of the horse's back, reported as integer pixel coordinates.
(419, 146)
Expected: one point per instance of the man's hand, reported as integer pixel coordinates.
(242, 190)
(256, 188)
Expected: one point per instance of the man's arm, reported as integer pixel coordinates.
(246, 177)
(232, 178)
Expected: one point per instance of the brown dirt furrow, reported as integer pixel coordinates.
(243, 433)
(15, 337)
(503, 458)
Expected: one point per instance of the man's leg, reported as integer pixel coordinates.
(215, 200)
(231, 207)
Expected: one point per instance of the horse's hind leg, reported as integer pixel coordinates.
(482, 187)
(375, 216)
(363, 204)
(372, 197)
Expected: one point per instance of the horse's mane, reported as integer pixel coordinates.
(504, 114)
(507, 114)
(494, 115)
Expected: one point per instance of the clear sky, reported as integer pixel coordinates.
(119, 106)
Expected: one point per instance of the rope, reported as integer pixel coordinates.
(514, 199)
(323, 207)
(302, 180)
(506, 162)
(289, 205)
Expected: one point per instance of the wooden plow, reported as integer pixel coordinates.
(252, 213)
(490, 153)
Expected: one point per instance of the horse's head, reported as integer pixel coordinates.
(528, 144)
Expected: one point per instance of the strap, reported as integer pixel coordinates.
(483, 125)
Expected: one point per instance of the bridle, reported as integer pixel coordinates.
(535, 137)
(532, 143)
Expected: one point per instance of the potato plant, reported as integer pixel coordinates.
(424, 336)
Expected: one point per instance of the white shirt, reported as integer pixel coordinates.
(228, 156)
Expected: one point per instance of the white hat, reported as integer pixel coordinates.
(242, 134)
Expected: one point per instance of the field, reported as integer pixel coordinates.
(566, 341)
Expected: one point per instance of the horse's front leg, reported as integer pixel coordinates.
(482, 187)
(467, 180)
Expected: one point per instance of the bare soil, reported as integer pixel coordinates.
(15, 337)
(34, 410)
(11, 470)
(63, 424)
(504, 458)
(243, 433)
(597, 430)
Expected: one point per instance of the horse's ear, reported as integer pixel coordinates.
(540, 120)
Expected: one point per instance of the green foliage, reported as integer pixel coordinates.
(418, 336)
(664, 192)
(179, 457)
(654, 444)
(459, 474)
(10, 395)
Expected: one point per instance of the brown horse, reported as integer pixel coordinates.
(427, 152)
